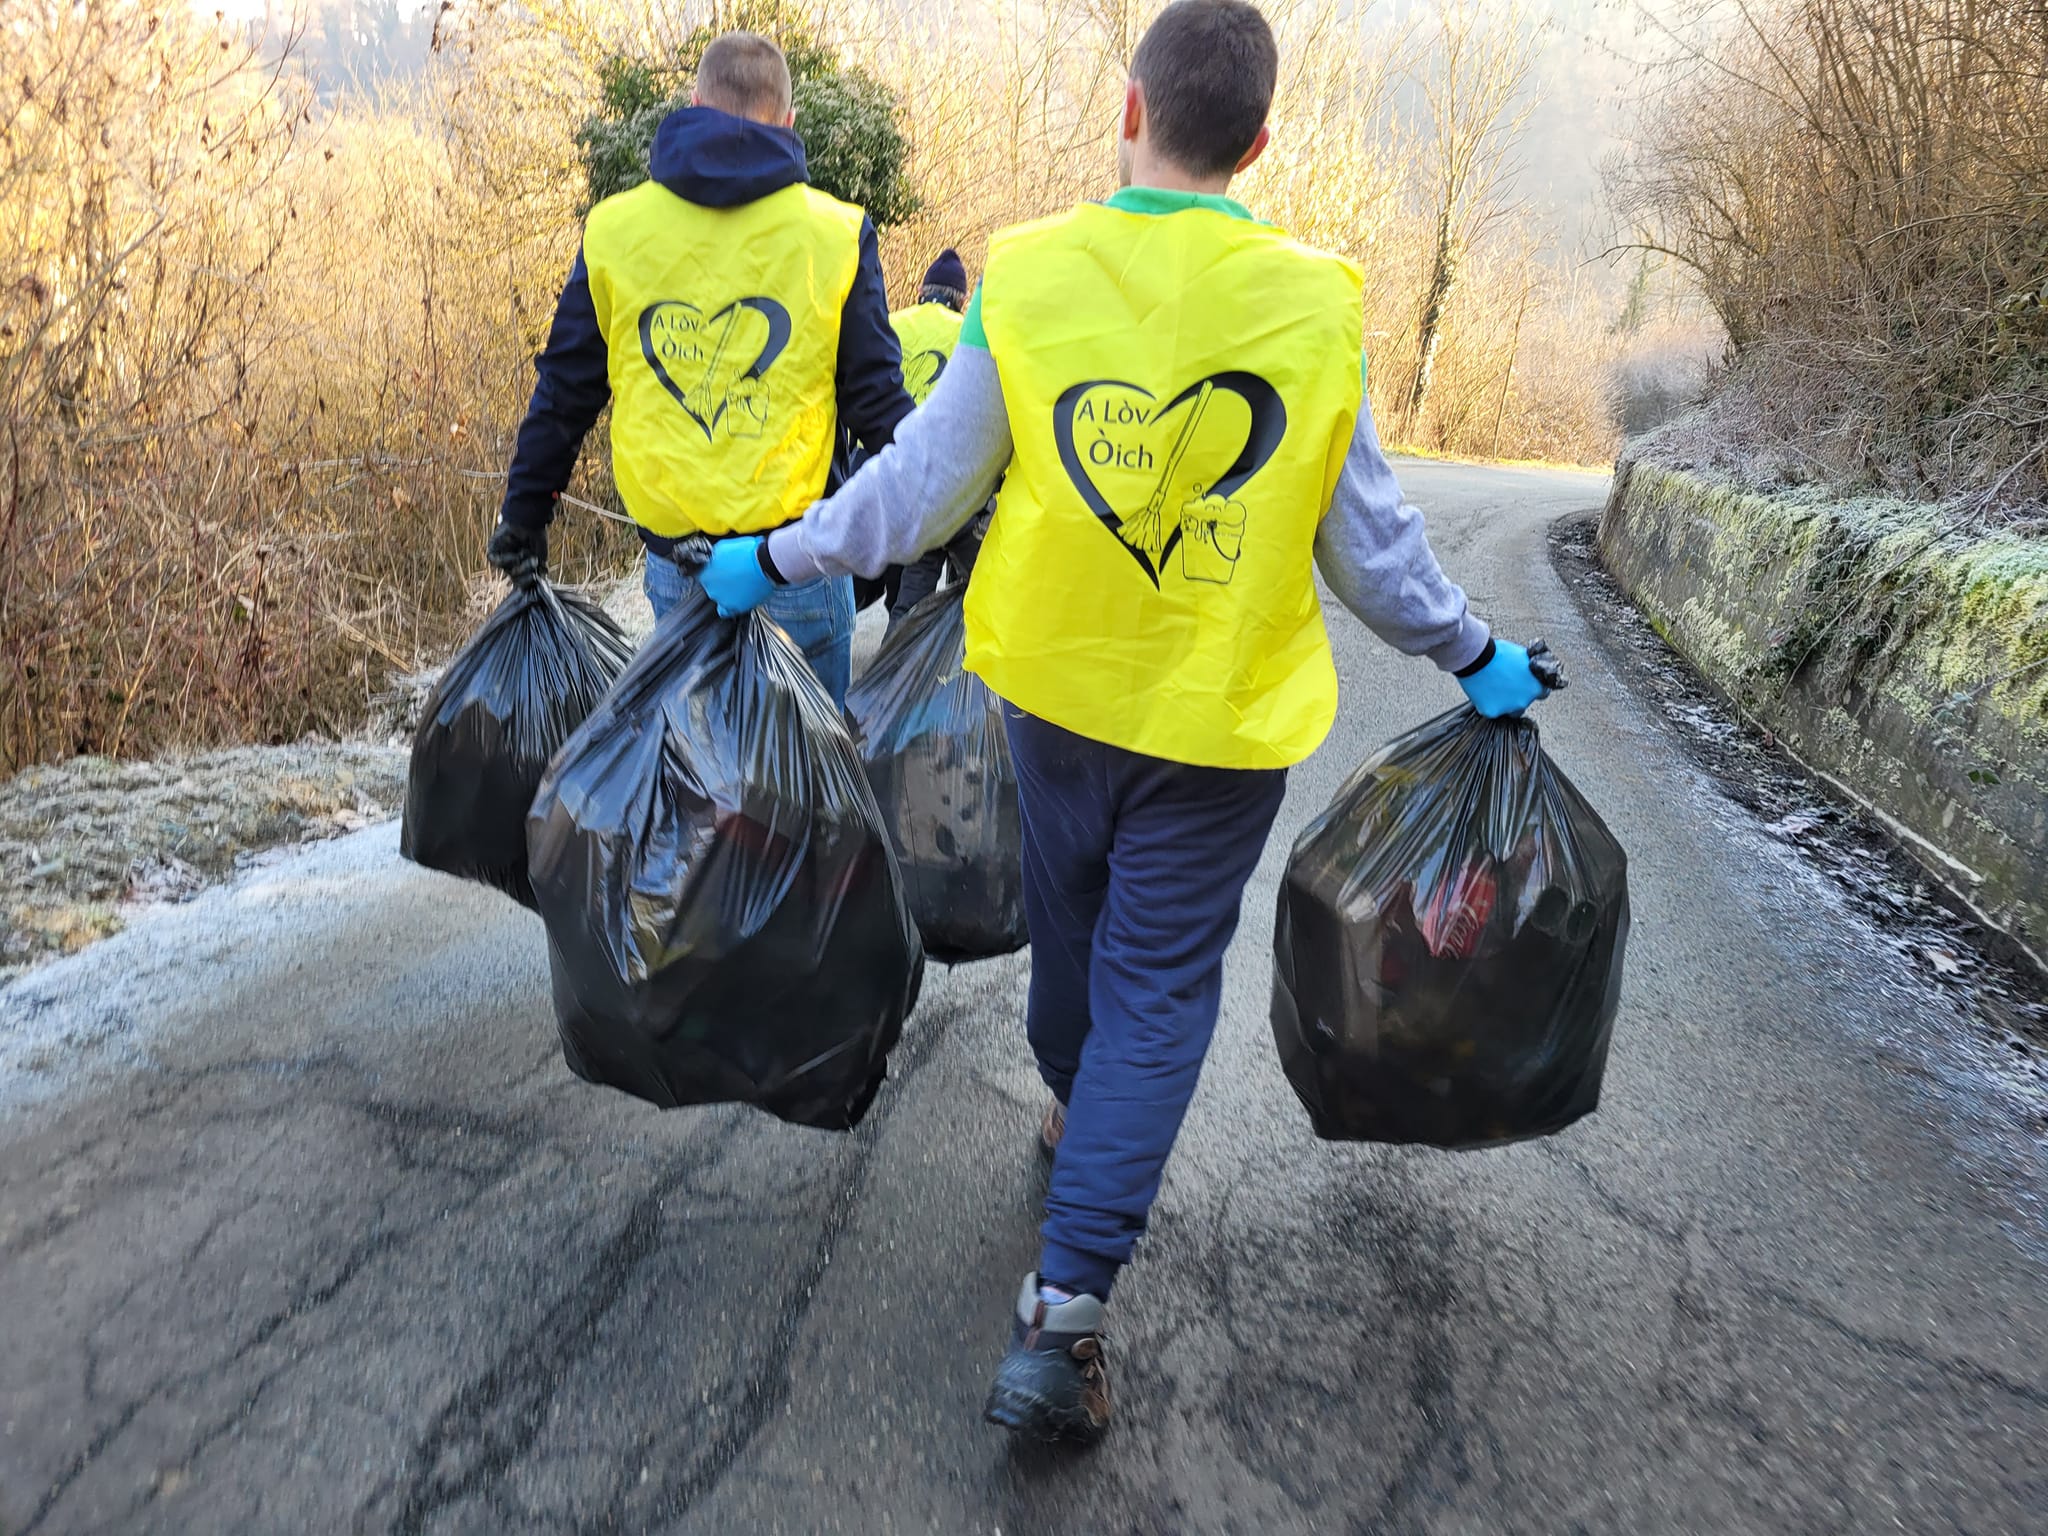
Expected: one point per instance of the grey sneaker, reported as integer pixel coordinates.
(1051, 1129)
(1054, 1382)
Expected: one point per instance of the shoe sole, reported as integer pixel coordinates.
(1022, 1414)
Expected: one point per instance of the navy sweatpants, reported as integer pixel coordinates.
(1133, 872)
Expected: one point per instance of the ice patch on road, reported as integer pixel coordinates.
(102, 1010)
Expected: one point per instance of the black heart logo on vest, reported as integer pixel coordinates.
(921, 372)
(1164, 478)
(677, 334)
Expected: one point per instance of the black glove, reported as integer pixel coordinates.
(520, 552)
(1549, 672)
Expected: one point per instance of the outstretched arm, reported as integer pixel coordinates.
(1373, 552)
(916, 493)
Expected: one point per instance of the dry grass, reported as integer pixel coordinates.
(262, 357)
(81, 840)
(259, 366)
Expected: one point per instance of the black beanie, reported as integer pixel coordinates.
(948, 275)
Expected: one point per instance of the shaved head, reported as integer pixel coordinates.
(746, 75)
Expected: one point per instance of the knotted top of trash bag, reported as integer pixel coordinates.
(504, 704)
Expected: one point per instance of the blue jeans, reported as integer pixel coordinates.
(1133, 872)
(817, 615)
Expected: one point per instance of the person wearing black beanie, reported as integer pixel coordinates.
(929, 330)
(945, 282)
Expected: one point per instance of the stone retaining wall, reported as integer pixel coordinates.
(1901, 659)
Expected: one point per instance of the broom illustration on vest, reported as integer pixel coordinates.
(708, 406)
(1147, 530)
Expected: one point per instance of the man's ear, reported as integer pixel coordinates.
(695, 99)
(1134, 109)
(789, 118)
(1265, 137)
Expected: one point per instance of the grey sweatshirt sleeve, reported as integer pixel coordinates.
(1372, 551)
(917, 492)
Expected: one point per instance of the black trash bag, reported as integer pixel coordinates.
(1448, 953)
(725, 920)
(931, 735)
(507, 702)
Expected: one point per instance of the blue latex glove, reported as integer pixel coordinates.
(1511, 680)
(733, 579)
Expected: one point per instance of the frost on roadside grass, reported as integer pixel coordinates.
(82, 843)
(85, 842)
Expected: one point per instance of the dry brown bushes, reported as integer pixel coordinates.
(1861, 188)
(251, 354)
(262, 351)
(1394, 143)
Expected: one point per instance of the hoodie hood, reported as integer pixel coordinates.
(716, 160)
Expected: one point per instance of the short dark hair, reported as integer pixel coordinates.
(1208, 68)
(745, 74)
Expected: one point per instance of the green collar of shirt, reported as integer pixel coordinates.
(1149, 200)
(1160, 200)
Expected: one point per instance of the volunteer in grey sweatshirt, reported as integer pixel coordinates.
(1174, 390)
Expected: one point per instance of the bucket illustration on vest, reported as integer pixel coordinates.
(714, 365)
(1164, 479)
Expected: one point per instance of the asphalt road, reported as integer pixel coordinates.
(304, 1227)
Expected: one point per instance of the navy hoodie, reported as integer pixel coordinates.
(715, 160)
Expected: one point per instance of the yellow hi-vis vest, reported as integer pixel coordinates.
(722, 329)
(928, 333)
(1181, 390)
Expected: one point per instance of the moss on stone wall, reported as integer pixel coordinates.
(1885, 646)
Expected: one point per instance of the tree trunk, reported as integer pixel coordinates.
(1507, 376)
(1443, 276)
